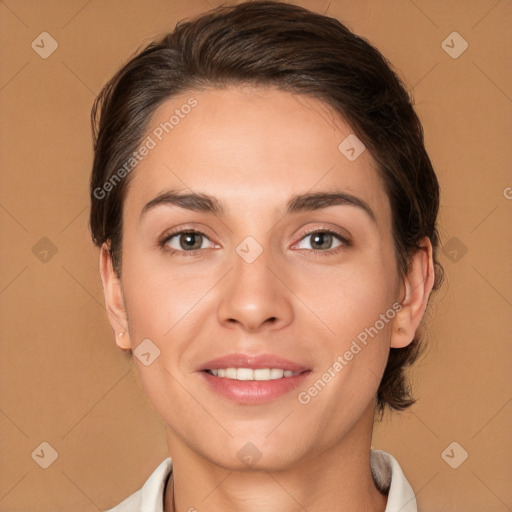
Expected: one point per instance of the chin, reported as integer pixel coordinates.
(256, 454)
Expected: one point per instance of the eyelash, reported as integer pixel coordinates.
(316, 252)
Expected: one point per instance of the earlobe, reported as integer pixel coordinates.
(418, 284)
(121, 342)
(114, 300)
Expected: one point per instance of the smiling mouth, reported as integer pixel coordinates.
(250, 374)
(253, 386)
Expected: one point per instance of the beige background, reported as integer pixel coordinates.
(63, 380)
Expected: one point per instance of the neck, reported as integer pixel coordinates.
(336, 480)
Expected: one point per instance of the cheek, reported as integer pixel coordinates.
(148, 307)
(157, 294)
(356, 304)
(351, 296)
(160, 307)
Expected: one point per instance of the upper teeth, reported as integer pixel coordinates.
(250, 374)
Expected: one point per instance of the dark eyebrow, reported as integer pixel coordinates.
(305, 202)
(189, 201)
(319, 200)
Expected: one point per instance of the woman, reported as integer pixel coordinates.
(266, 216)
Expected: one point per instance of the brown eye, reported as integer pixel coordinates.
(191, 241)
(185, 241)
(322, 240)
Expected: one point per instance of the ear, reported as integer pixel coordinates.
(416, 287)
(114, 299)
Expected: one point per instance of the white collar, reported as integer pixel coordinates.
(386, 473)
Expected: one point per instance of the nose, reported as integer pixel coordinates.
(254, 296)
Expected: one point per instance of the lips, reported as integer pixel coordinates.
(252, 392)
(254, 361)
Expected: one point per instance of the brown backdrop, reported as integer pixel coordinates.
(63, 380)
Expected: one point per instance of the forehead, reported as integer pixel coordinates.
(252, 148)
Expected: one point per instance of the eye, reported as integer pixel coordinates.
(190, 240)
(322, 240)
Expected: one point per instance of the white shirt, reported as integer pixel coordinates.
(386, 473)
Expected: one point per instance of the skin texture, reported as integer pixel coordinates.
(253, 149)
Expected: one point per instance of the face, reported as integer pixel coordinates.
(266, 274)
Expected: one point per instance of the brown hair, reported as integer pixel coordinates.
(267, 43)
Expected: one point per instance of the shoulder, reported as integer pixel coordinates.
(390, 479)
(151, 495)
